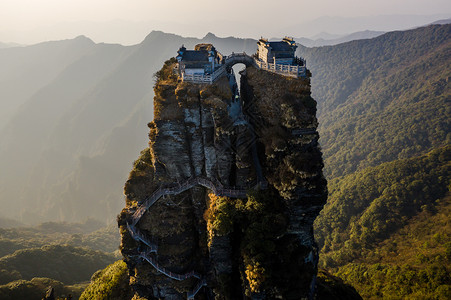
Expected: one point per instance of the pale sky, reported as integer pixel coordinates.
(41, 19)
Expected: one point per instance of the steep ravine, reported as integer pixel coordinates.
(231, 185)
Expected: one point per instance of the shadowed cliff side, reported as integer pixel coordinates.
(221, 204)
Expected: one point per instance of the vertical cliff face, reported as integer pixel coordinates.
(221, 204)
(283, 114)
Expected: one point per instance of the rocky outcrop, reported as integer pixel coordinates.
(208, 240)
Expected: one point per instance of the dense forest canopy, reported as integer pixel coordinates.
(384, 111)
(382, 99)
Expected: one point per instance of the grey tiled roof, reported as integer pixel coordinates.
(193, 55)
(280, 46)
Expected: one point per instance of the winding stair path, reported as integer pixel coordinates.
(175, 276)
(177, 188)
(138, 236)
(174, 189)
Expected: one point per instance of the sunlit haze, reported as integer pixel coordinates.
(128, 22)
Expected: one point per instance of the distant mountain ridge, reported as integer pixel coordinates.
(22, 73)
(132, 32)
(345, 25)
(318, 42)
(442, 22)
(9, 45)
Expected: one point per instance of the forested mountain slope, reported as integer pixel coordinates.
(384, 107)
(382, 99)
(368, 206)
(64, 263)
(63, 255)
(414, 263)
(386, 230)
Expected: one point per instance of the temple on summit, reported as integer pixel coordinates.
(282, 52)
(204, 59)
(205, 64)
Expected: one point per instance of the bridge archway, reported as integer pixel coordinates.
(235, 63)
(236, 58)
(237, 68)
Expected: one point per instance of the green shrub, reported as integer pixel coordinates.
(110, 283)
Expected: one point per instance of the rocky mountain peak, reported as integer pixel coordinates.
(222, 203)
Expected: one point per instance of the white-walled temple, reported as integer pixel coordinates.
(203, 60)
(282, 52)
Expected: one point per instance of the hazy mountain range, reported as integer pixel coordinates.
(325, 39)
(74, 117)
(129, 33)
(74, 114)
(346, 25)
(8, 45)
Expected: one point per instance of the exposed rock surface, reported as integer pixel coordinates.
(260, 246)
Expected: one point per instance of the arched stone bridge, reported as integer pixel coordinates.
(236, 58)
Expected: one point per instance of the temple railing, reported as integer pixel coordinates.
(284, 69)
(288, 70)
(204, 78)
